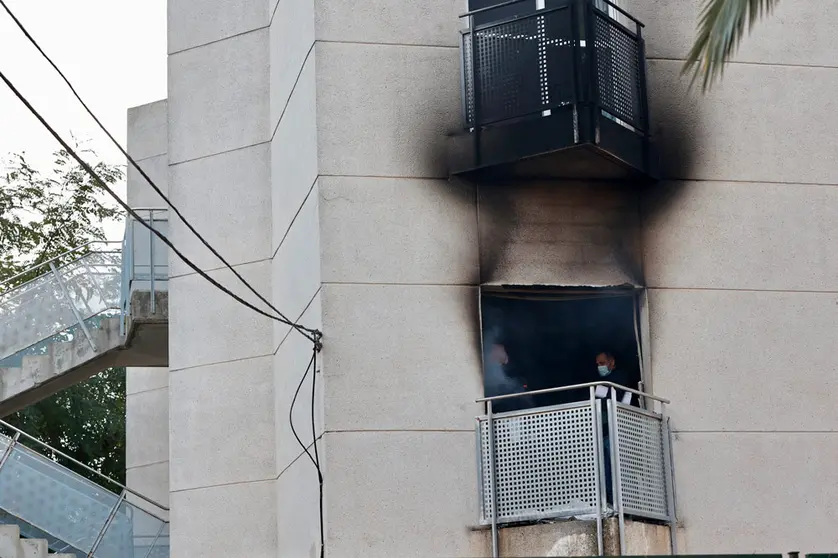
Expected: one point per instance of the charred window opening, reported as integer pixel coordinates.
(539, 339)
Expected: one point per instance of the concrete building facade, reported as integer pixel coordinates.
(147, 389)
(307, 142)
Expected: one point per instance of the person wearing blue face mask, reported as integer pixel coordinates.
(607, 370)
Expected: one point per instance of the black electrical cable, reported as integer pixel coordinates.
(154, 186)
(317, 346)
(291, 410)
(311, 336)
(312, 365)
(315, 336)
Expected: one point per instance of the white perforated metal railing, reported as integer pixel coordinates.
(545, 464)
(550, 462)
(641, 447)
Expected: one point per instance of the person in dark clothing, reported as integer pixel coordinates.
(507, 360)
(609, 372)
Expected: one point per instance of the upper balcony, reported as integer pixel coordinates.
(553, 89)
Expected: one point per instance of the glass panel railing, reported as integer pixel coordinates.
(29, 531)
(93, 283)
(145, 246)
(145, 263)
(74, 513)
(42, 347)
(32, 312)
(58, 300)
(132, 534)
(160, 549)
(53, 498)
(146, 256)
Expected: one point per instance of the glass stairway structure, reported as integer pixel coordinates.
(58, 317)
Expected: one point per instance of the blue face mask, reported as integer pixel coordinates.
(603, 370)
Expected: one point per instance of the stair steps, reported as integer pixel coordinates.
(89, 310)
(12, 546)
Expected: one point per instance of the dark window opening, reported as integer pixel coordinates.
(535, 340)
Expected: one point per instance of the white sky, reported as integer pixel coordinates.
(114, 53)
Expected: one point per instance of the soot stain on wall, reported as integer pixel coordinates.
(559, 232)
(674, 135)
(502, 216)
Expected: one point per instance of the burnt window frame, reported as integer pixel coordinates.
(640, 319)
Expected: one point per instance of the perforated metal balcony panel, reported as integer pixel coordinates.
(547, 148)
(553, 89)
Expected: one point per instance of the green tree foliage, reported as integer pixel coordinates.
(86, 421)
(721, 27)
(42, 215)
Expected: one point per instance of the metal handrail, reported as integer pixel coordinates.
(55, 274)
(6, 299)
(594, 402)
(489, 8)
(46, 446)
(128, 247)
(503, 22)
(570, 388)
(512, 2)
(58, 257)
(622, 12)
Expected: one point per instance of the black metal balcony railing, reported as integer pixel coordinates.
(539, 76)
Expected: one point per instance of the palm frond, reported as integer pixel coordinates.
(721, 27)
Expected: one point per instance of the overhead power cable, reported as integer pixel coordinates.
(312, 334)
(307, 332)
(138, 217)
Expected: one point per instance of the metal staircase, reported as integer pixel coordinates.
(91, 308)
(72, 514)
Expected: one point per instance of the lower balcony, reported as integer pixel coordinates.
(597, 460)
